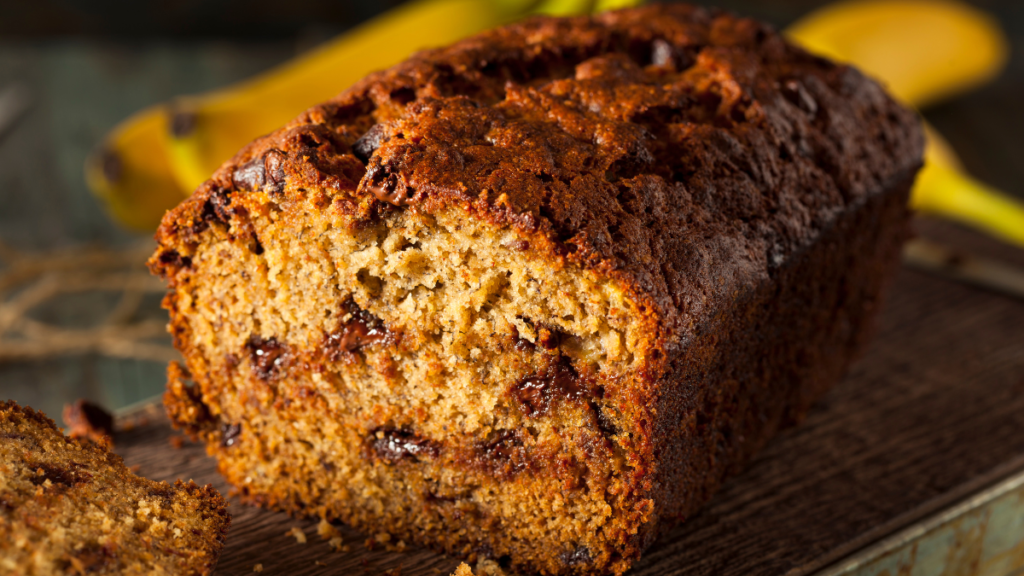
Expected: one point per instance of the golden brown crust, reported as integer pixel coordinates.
(71, 507)
(717, 176)
(577, 131)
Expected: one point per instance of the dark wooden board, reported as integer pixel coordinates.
(934, 411)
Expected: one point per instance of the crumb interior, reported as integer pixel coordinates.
(425, 359)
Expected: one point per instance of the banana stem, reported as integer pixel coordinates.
(946, 192)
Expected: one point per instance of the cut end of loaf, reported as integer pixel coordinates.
(413, 371)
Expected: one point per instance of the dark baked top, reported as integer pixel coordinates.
(686, 152)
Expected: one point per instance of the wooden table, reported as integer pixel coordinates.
(932, 416)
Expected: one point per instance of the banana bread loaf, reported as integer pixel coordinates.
(71, 507)
(533, 296)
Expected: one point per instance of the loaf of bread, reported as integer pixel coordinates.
(71, 507)
(533, 296)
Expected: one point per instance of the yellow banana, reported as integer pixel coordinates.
(924, 50)
(164, 152)
(943, 188)
(131, 172)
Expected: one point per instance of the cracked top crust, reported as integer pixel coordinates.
(684, 152)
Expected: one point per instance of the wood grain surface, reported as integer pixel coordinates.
(933, 412)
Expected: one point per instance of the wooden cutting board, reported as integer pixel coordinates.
(932, 414)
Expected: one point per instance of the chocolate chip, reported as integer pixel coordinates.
(273, 162)
(396, 195)
(501, 444)
(358, 334)
(549, 338)
(250, 176)
(360, 329)
(229, 434)
(396, 445)
(173, 258)
(520, 245)
(503, 453)
(524, 345)
(266, 357)
(386, 186)
(217, 208)
(519, 343)
(536, 392)
(637, 160)
(794, 91)
(581, 555)
(87, 420)
(263, 171)
(368, 143)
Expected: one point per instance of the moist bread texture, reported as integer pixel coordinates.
(69, 506)
(533, 296)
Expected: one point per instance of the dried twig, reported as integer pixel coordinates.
(28, 281)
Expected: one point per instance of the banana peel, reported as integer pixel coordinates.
(151, 161)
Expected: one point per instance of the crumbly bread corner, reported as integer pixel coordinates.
(71, 507)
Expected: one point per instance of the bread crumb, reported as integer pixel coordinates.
(257, 568)
(300, 537)
(463, 570)
(330, 533)
(134, 468)
(177, 441)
